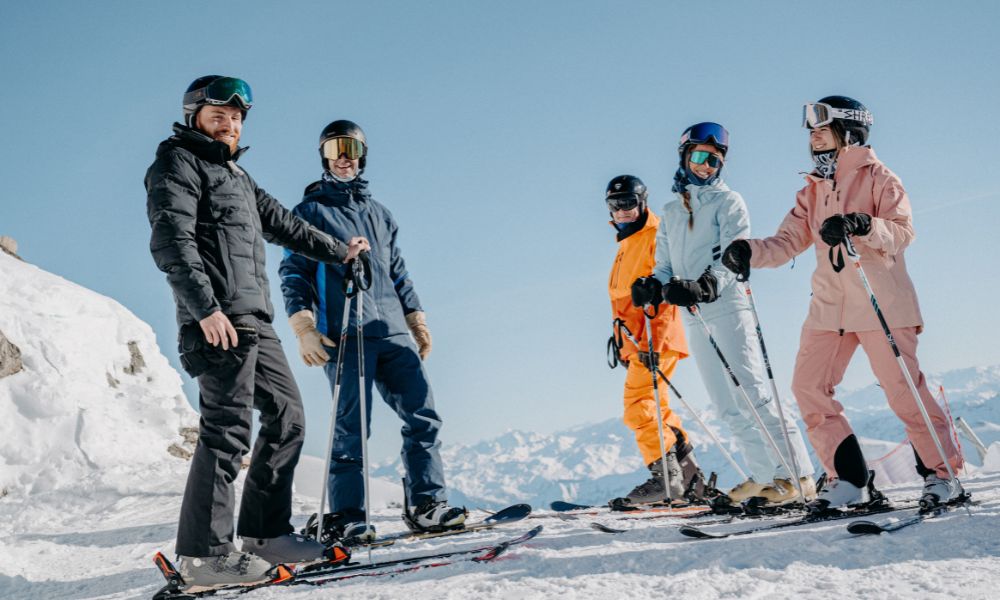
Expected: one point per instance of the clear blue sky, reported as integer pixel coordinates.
(493, 129)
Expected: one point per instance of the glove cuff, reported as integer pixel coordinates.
(416, 319)
(302, 322)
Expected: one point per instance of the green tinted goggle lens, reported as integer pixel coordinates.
(334, 147)
(699, 157)
(225, 90)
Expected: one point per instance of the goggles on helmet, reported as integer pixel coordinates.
(222, 91)
(706, 133)
(819, 114)
(623, 202)
(334, 147)
(699, 157)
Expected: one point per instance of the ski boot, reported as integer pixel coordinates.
(347, 527)
(747, 489)
(235, 568)
(285, 549)
(653, 491)
(837, 494)
(696, 489)
(784, 492)
(432, 516)
(939, 491)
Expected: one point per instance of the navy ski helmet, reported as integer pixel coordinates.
(216, 90)
(699, 133)
(354, 144)
(849, 119)
(626, 192)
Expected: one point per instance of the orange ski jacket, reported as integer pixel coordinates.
(636, 258)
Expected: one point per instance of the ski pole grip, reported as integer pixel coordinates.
(361, 270)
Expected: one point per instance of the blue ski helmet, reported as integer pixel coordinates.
(699, 133)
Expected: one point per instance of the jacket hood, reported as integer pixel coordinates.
(203, 146)
(337, 193)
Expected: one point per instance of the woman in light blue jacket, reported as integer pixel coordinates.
(706, 217)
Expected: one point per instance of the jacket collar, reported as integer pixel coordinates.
(701, 193)
(205, 147)
(647, 220)
(849, 159)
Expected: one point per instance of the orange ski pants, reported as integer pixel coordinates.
(640, 407)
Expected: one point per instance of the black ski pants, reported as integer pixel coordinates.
(255, 374)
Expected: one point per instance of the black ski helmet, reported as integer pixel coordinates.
(218, 90)
(344, 128)
(857, 127)
(625, 187)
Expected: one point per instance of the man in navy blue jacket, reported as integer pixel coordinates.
(338, 204)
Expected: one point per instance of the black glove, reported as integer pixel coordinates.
(644, 360)
(736, 258)
(836, 229)
(646, 290)
(687, 292)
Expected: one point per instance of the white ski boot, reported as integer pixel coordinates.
(358, 532)
(837, 493)
(938, 491)
(434, 516)
(235, 568)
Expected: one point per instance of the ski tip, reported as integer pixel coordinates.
(514, 512)
(560, 506)
(694, 532)
(605, 529)
(865, 528)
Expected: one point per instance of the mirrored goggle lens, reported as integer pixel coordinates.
(699, 157)
(712, 133)
(623, 202)
(334, 147)
(816, 115)
(227, 89)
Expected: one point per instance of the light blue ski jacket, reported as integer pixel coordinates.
(720, 216)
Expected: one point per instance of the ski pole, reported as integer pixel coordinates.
(360, 269)
(624, 330)
(656, 395)
(349, 292)
(774, 387)
(753, 409)
(856, 259)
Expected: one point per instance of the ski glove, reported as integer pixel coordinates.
(687, 292)
(417, 323)
(736, 258)
(646, 290)
(311, 341)
(836, 229)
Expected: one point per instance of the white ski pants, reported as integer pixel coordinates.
(736, 336)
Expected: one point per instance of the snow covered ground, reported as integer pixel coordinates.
(92, 473)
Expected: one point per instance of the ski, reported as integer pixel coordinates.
(510, 514)
(872, 528)
(324, 573)
(570, 509)
(834, 515)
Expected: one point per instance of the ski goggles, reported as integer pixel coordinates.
(706, 133)
(221, 92)
(819, 114)
(333, 148)
(700, 157)
(622, 202)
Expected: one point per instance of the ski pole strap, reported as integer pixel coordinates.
(656, 310)
(358, 275)
(613, 360)
(838, 263)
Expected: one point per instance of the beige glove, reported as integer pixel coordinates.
(417, 323)
(310, 339)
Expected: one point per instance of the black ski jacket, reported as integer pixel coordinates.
(209, 222)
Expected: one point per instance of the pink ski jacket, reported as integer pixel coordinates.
(839, 300)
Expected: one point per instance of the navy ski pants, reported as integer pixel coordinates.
(395, 368)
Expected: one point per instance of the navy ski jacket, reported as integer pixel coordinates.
(346, 210)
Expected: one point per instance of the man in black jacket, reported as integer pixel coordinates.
(209, 223)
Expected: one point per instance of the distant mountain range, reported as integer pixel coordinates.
(593, 463)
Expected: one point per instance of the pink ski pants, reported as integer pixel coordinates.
(819, 367)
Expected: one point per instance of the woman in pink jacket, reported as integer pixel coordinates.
(851, 193)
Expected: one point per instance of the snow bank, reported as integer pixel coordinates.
(96, 406)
